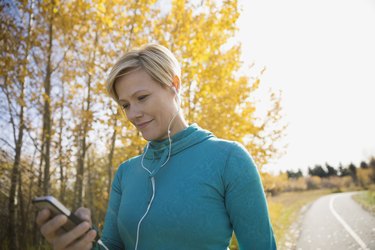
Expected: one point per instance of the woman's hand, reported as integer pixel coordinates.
(77, 238)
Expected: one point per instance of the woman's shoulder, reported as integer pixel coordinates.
(129, 163)
(228, 145)
(232, 150)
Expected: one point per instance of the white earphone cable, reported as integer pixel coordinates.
(152, 178)
(100, 242)
(148, 208)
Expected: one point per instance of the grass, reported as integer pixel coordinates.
(366, 199)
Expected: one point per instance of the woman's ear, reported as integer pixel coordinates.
(176, 83)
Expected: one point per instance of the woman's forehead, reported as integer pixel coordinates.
(137, 81)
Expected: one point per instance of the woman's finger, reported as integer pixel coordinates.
(84, 214)
(43, 216)
(50, 228)
(85, 242)
(68, 238)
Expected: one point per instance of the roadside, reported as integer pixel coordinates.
(284, 208)
(366, 199)
(336, 221)
(286, 211)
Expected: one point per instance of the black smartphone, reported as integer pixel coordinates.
(56, 207)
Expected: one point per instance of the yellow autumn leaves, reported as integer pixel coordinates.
(55, 56)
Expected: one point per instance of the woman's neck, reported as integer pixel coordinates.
(177, 125)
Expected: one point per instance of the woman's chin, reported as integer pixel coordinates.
(152, 137)
(148, 136)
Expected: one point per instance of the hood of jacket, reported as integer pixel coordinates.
(182, 140)
(157, 152)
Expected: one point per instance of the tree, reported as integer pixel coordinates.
(372, 167)
(215, 95)
(294, 175)
(318, 171)
(343, 171)
(16, 37)
(65, 137)
(363, 165)
(331, 170)
(353, 172)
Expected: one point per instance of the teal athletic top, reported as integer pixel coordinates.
(208, 188)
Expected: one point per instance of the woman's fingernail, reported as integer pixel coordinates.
(63, 219)
(92, 234)
(84, 225)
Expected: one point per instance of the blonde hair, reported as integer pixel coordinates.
(155, 59)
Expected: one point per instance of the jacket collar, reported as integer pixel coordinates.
(182, 140)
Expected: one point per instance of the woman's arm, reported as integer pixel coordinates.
(246, 203)
(110, 236)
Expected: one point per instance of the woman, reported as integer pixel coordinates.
(188, 189)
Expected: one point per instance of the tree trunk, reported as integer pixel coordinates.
(61, 164)
(12, 230)
(81, 159)
(110, 156)
(86, 120)
(90, 189)
(47, 107)
(22, 221)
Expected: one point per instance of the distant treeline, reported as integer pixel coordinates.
(328, 170)
(338, 178)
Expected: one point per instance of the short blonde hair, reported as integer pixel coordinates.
(155, 59)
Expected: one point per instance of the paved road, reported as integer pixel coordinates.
(336, 222)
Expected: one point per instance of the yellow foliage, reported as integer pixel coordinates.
(274, 184)
(217, 98)
(337, 182)
(364, 176)
(313, 182)
(296, 184)
(86, 37)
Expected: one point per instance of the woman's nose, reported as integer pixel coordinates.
(134, 113)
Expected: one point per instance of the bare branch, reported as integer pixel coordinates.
(34, 141)
(6, 142)
(5, 88)
(36, 60)
(61, 60)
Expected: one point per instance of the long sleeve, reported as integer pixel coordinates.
(246, 203)
(111, 237)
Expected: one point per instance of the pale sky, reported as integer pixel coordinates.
(321, 55)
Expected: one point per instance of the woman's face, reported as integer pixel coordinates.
(148, 105)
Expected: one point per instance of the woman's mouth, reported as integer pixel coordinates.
(143, 125)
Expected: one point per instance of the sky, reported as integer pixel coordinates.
(321, 55)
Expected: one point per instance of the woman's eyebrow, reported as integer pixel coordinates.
(134, 94)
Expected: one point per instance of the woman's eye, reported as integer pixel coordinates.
(142, 97)
(125, 106)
